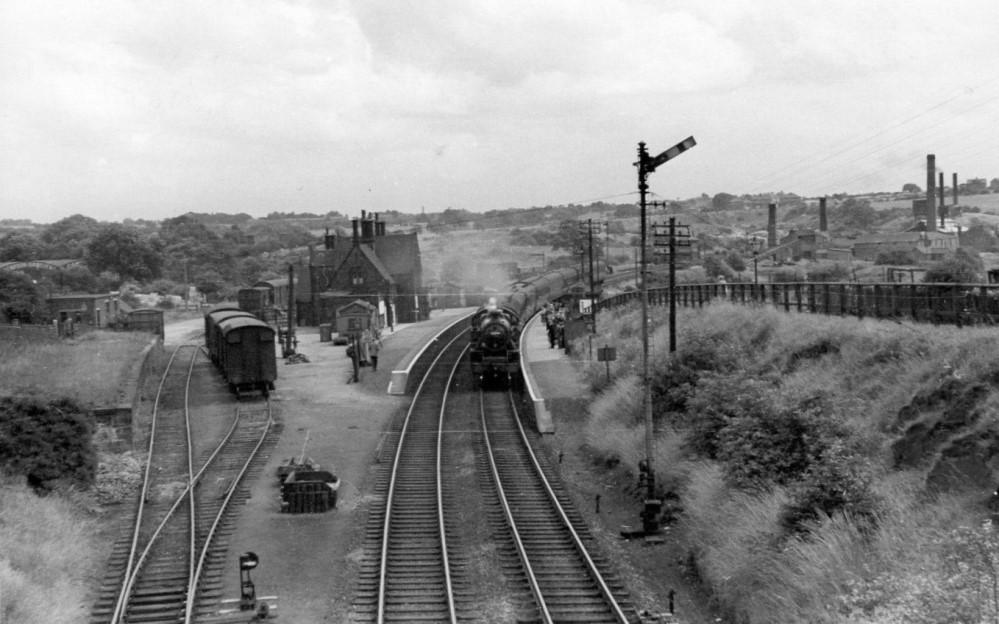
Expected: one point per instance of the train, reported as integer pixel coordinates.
(494, 341)
(243, 348)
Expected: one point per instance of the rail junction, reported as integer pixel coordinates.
(167, 569)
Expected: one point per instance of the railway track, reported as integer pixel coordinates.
(168, 570)
(567, 583)
(418, 553)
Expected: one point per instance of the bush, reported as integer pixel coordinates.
(48, 443)
(837, 481)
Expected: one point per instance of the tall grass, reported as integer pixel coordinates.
(47, 556)
(925, 557)
(90, 370)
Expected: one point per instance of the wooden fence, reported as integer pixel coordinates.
(957, 304)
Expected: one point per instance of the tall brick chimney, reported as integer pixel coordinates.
(823, 223)
(954, 188)
(772, 226)
(931, 193)
(943, 200)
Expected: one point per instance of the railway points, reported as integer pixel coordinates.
(345, 423)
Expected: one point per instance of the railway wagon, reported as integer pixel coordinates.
(145, 319)
(494, 348)
(255, 300)
(243, 348)
(212, 319)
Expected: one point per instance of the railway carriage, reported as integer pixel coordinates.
(243, 348)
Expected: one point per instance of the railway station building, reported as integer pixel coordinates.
(372, 265)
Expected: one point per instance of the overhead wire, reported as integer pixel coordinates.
(810, 163)
(908, 136)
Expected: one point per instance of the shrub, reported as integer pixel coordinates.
(837, 481)
(716, 404)
(47, 443)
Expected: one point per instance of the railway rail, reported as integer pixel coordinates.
(416, 559)
(567, 583)
(167, 569)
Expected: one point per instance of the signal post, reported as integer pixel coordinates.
(646, 165)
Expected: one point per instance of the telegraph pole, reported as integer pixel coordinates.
(592, 294)
(672, 284)
(589, 232)
(647, 165)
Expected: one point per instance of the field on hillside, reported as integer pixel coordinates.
(90, 370)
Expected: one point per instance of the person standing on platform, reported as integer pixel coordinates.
(373, 348)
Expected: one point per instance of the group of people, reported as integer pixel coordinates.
(371, 345)
(553, 315)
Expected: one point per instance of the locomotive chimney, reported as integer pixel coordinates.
(823, 224)
(772, 226)
(329, 240)
(931, 193)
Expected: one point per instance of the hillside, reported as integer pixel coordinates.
(826, 469)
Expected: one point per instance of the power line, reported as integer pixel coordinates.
(810, 163)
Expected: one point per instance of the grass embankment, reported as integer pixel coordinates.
(48, 556)
(89, 370)
(52, 546)
(829, 469)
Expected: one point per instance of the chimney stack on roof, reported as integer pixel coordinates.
(823, 223)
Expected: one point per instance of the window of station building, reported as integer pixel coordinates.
(356, 277)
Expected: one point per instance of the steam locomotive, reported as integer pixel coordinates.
(494, 348)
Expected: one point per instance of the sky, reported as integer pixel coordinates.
(138, 109)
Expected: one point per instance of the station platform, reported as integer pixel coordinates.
(552, 378)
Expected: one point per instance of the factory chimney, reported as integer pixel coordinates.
(823, 223)
(772, 227)
(954, 187)
(931, 193)
(943, 200)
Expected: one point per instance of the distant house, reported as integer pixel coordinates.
(931, 246)
(805, 244)
(87, 309)
(382, 269)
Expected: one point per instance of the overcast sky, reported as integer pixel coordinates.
(117, 109)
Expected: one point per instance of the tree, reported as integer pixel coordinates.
(911, 188)
(963, 268)
(734, 259)
(20, 299)
(568, 236)
(722, 201)
(20, 246)
(68, 238)
(855, 214)
(122, 250)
